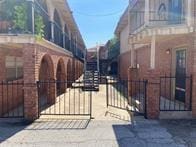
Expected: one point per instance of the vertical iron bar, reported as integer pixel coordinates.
(65, 90)
(23, 108)
(145, 97)
(2, 99)
(90, 104)
(107, 95)
(60, 83)
(79, 98)
(191, 84)
(12, 99)
(7, 100)
(38, 90)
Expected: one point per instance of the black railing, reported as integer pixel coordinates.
(176, 93)
(161, 12)
(64, 98)
(11, 99)
(16, 19)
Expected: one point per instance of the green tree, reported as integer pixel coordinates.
(20, 17)
(39, 26)
(114, 47)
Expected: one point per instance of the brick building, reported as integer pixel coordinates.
(157, 43)
(39, 40)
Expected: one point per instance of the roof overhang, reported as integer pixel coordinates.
(67, 16)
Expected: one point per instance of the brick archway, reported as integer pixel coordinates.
(60, 77)
(47, 90)
(69, 73)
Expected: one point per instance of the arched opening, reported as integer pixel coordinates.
(60, 77)
(42, 10)
(46, 78)
(69, 74)
(58, 35)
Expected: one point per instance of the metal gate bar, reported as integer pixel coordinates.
(126, 95)
(12, 99)
(56, 98)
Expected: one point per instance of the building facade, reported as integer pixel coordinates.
(158, 44)
(39, 41)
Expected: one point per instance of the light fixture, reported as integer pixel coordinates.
(168, 51)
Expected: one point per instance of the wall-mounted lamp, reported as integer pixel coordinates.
(168, 51)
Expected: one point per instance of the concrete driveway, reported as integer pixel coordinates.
(99, 133)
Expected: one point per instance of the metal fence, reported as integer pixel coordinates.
(127, 95)
(176, 93)
(73, 100)
(12, 99)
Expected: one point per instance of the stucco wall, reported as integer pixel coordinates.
(124, 46)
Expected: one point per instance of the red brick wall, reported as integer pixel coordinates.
(32, 57)
(164, 65)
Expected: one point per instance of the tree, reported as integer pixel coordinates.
(20, 17)
(39, 26)
(114, 47)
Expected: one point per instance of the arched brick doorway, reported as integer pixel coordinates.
(69, 74)
(47, 89)
(61, 77)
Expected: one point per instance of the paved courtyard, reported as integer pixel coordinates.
(110, 127)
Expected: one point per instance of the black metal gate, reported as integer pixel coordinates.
(12, 99)
(127, 95)
(172, 96)
(64, 98)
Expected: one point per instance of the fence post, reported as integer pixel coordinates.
(153, 94)
(107, 94)
(145, 97)
(191, 86)
(91, 105)
(38, 91)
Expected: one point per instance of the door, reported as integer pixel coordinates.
(175, 11)
(180, 84)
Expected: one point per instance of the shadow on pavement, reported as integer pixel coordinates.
(117, 116)
(59, 124)
(10, 128)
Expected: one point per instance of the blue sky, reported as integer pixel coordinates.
(94, 26)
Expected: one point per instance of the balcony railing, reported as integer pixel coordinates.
(16, 19)
(79, 54)
(159, 13)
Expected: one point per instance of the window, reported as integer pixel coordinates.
(14, 68)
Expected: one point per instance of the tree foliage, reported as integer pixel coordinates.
(20, 17)
(16, 12)
(39, 26)
(113, 47)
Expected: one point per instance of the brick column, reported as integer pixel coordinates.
(30, 86)
(2, 64)
(132, 75)
(153, 94)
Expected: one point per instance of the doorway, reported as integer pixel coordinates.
(180, 83)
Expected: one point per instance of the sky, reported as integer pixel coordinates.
(97, 19)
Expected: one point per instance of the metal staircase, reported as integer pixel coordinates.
(91, 76)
